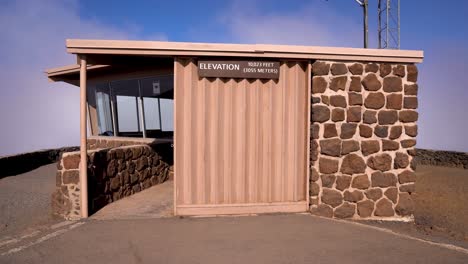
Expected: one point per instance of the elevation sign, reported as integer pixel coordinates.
(239, 69)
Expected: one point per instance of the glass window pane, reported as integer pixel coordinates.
(160, 86)
(103, 108)
(127, 113)
(151, 113)
(167, 114)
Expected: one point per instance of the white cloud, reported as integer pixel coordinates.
(312, 24)
(35, 113)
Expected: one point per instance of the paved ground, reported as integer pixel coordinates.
(25, 200)
(128, 232)
(156, 201)
(257, 239)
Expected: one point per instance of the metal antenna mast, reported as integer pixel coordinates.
(364, 5)
(389, 24)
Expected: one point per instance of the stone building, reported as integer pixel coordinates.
(255, 129)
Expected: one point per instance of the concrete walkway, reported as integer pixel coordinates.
(153, 202)
(253, 239)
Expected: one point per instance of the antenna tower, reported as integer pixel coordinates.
(389, 24)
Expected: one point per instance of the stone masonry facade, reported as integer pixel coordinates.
(113, 173)
(363, 134)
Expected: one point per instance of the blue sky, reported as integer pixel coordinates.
(37, 114)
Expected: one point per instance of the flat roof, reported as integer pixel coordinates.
(172, 49)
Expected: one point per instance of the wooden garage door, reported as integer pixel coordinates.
(240, 145)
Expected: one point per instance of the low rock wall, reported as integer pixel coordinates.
(442, 158)
(113, 173)
(24, 162)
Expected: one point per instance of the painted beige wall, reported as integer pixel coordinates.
(240, 142)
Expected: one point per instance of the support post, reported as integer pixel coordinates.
(83, 137)
(366, 25)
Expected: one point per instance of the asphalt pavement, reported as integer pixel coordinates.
(25, 200)
(250, 239)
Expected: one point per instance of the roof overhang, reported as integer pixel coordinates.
(160, 48)
(108, 48)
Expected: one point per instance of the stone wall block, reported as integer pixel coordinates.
(338, 101)
(411, 131)
(383, 179)
(410, 102)
(330, 147)
(338, 69)
(355, 85)
(370, 117)
(365, 131)
(332, 197)
(405, 205)
(408, 116)
(338, 114)
(71, 177)
(314, 175)
(346, 210)
(374, 194)
(395, 132)
(314, 189)
(390, 145)
(353, 196)
(314, 131)
(319, 84)
(412, 73)
(349, 146)
(399, 70)
(384, 208)
(338, 83)
(365, 208)
(328, 166)
(369, 147)
(58, 179)
(408, 143)
(381, 131)
(353, 164)
(330, 131)
(71, 161)
(314, 150)
(408, 188)
(385, 69)
(392, 84)
(325, 99)
(392, 194)
(401, 160)
(119, 153)
(320, 68)
(354, 114)
(411, 89)
(374, 100)
(320, 113)
(394, 101)
(322, 210)
(406, 177)
(372, 67)
(356, 69)
(343, 182)
(355, 99)
(348, 130)
(328, 180)
(361, 182)
(371, 82)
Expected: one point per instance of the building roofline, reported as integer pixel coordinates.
(163, 48)
(189, 49)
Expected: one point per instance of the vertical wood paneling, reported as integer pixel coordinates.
(241, 141)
